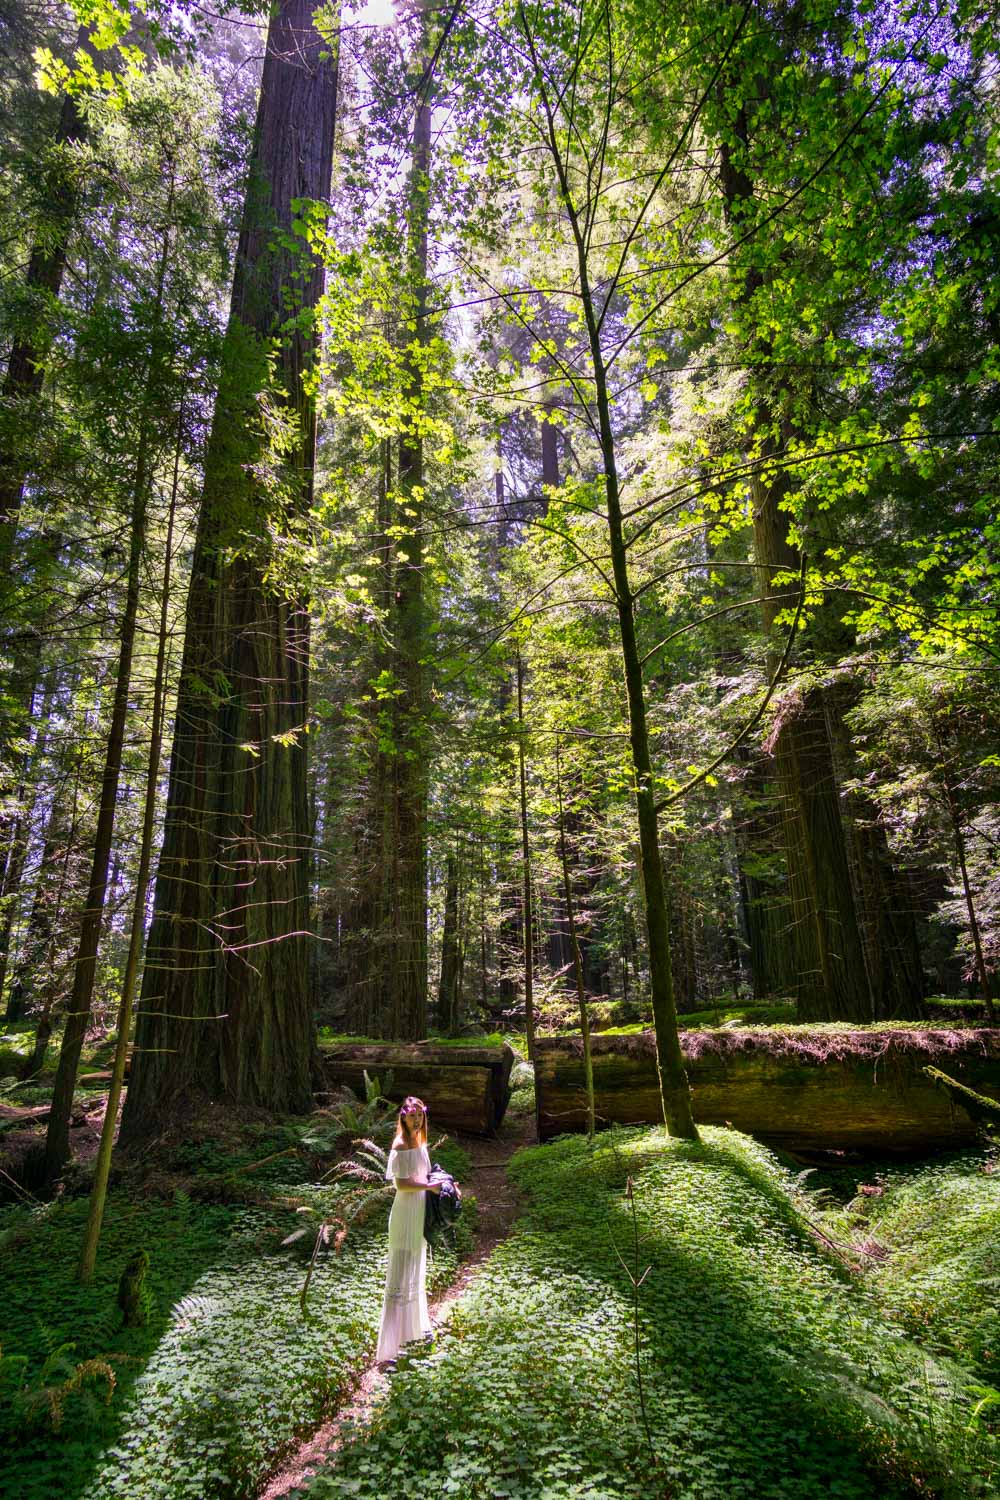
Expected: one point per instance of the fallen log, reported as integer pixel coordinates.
(464, 1087)
(19, 1117)
(10, 1117)
(986, 1112)
(812, 1087)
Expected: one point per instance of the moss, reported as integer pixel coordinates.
(817, 1042)
(329, 1038)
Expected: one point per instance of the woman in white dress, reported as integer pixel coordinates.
(404, 1310)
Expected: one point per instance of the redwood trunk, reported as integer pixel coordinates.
(835, 980)
(408, 985)
(226, 1005)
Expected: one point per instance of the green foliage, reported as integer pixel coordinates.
(41, 1403)
(223, 1376)
(766, 1371)
(522, 1092)
(351, 1118)
(932, 1237)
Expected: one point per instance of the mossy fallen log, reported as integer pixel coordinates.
(986, 1112)
(820, 1088)
(464, 1087)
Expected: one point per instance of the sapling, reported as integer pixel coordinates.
(636, 1279)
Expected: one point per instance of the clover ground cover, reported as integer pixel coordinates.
(224, 1377)
(767, 1370)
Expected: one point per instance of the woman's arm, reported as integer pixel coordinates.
(416, 1185)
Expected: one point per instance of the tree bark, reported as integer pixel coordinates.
(527, 909)
(982, 973)
(409, 896)
(17, 849)
(814, 828)
(225, 1007)
(123, 1046)
(882, 900)
(820, 1091)
(26, 368)
(448, 993)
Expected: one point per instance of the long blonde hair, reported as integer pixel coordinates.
(405, 1138)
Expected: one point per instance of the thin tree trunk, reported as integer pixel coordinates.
(225, 1008)
(982, 972)
(581, 998)
(78, 1015)
(674, 1089)
(369, 947)
(450, 958)
(17, 851)
(102, 1166)
(41, 920)
(526, 903)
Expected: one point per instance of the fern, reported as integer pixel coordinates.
(194, 1308)
(43, 1401)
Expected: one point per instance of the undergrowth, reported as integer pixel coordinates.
(225, 1375)
(767, 1370)
(928, 1236)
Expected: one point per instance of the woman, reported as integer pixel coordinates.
(404, 1310)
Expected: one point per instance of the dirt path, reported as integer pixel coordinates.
(498, 1204)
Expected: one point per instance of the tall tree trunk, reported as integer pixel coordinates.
(81, 998)
(882, 899)
(26, 369)
(49, 877)
(448, 992)
(409, 898)
(958, 835)
(102, 1165)
(17, 849)
(763, 881)
(814, 828)
(43, 960)
(675, 1092)
(527, 910)
(225, 1007)
(369, 920)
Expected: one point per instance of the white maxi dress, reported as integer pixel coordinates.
(404, 1309)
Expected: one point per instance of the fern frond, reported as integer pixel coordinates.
(194, 1308)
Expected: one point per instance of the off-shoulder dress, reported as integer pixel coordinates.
(404, 1308)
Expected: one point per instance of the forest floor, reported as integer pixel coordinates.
(498, 1201)
(776, 1363)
